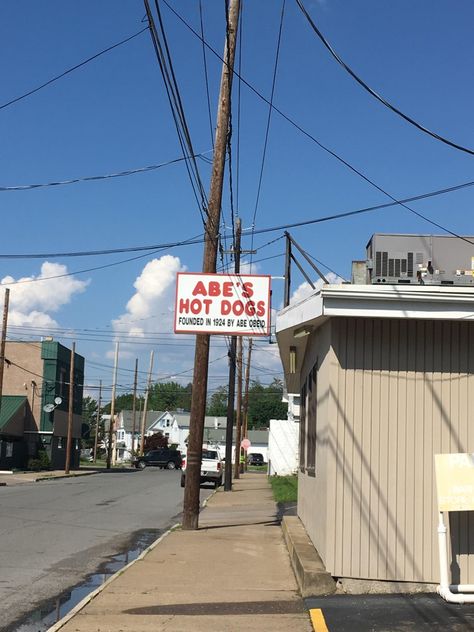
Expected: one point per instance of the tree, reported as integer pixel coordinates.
(265, 403)
(123, 402)
(89, 419)
(155, 441)
(169, 396)
(217, 406)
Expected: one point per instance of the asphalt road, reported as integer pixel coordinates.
(389, 613)
(54, 533)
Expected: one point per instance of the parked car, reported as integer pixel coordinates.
(255, 459)
(211, 468)
(164, 458)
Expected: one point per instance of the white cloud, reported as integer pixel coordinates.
(305, 289)
(151, 307)
(33, 298)
(154, 292)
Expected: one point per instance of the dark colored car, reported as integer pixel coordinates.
(255, 459)
(169, 459)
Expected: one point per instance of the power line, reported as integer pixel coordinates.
(119, 174)
(204, 58)
(316, 141)
(93, 269)
(239, 107)
(69, 70)
(229, 130)
(200, 240)
(111, 251)
(165, 64)
(269, 117)
(324, 265)
(372, 92)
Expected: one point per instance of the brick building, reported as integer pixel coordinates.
(37, 375)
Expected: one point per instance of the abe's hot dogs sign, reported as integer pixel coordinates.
(222, 304)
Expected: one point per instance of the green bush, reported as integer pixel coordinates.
(40, 463)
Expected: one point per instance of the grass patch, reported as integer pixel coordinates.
(257, 468)
(285, 488)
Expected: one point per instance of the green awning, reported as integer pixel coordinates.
(10, 406)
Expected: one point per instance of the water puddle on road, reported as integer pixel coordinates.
(53, 610)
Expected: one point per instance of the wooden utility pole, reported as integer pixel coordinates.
(97, 421)
(238, 408)
(112, 410)
(145, 406)
(3, 341)
(134, 407)
(70, 411)
(201, 355)
(232, 362)
(245, 409)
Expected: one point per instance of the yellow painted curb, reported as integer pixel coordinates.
(318, 621)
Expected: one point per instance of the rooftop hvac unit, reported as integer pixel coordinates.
(420, 259)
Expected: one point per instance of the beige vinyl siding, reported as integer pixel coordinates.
(313, 490)
(391, 394)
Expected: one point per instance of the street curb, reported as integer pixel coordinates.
(311, 576)
(55, 478)
(206, 500)
(72, 613)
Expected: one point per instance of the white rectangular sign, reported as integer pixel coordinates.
(227, 304)
(455, 481)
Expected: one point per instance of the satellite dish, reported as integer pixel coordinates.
(58, 400)
(48, 408)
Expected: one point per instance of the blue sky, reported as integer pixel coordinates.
(112, 115)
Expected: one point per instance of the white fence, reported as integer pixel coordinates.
(283, 447)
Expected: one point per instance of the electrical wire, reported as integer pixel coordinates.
(119, 174)
(206, 77)
(324, 265)
(319, 143)
(372, 92)
(93, 269)
(229, 131)
(179, 104)
(239, 107)
(177, 111)
(69, 70)
(200, 240)
(267, 130)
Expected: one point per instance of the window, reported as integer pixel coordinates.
(311, 421)
(303, 429)
(60, 442)
(63, 392)
(9, 449)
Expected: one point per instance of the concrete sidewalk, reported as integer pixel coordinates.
(232, 574)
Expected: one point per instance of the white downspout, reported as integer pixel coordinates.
(450, 592)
